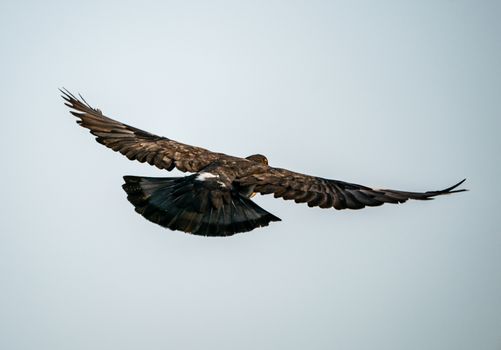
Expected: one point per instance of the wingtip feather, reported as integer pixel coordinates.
(450, 189)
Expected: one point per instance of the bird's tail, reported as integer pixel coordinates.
(185, 204)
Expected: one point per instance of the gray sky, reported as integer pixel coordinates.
(389, 94)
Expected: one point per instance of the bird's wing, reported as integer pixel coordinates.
(325, 193)
(137, 144)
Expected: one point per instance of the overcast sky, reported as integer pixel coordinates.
(391, 94)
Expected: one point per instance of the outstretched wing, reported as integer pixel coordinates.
(137, 144)
(326, 193)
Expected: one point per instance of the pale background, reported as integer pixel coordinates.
(390, 93)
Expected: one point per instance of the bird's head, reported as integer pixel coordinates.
(258, 158)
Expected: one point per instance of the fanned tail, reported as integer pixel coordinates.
(185, 204)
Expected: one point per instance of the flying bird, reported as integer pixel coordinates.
(216, 199)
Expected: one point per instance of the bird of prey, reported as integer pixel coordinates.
(215, 200)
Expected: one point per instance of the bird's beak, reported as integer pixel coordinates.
(252, 195)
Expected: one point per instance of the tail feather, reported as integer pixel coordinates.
(188, 205)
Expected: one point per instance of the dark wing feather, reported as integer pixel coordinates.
(325, 193)
(137, 144)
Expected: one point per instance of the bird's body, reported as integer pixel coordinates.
(215, 200)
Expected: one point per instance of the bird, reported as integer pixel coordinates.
(215, 199)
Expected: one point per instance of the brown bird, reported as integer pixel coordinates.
(215, 200)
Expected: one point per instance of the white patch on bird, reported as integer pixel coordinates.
(205, 176)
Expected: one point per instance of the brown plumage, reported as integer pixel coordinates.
(215, 201)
